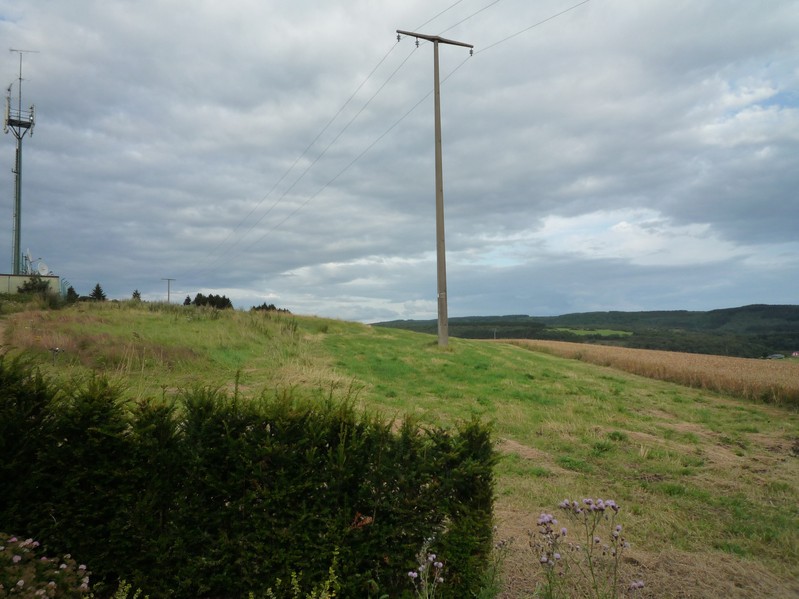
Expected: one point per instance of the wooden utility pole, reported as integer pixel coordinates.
(441, 258)
(168, 288)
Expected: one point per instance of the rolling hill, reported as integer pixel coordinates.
(753, 331)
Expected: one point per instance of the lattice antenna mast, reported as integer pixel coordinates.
(19, 122)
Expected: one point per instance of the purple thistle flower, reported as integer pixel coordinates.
(413, 574)
(16, 559)
(563, 531)
(544, 559)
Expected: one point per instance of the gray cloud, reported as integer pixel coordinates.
(620, 156)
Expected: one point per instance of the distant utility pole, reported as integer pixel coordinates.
(443, 326)
(20, 122)
(168, 285)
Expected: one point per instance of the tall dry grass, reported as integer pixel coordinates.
(770, 381)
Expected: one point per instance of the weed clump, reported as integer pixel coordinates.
(588, 557)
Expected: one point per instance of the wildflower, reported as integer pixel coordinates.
(544, 559)
(556, 556)
(439, 580)
(413, 574)
(438, 565)
(16, 559)
(563, 531)
(597, 540)
(636, 584)
(20, 583)
(431, 557)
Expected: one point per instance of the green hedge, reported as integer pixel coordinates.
(217, 496)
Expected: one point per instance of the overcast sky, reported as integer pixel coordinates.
(611, 155)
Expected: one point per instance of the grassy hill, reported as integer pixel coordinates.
(749, 331)
(708, 483)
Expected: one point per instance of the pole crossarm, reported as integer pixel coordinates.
(434, 38)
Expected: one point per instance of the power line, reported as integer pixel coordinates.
(430, 20)
(311, 144)
(406, 114)
(294, 164)
(363, 153)
(472, 15)
(360, 111)
(533, 26)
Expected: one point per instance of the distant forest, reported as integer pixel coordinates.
(754, 331)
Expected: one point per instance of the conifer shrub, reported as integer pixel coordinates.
(216, 495)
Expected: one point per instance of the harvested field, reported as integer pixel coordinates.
(769, 381)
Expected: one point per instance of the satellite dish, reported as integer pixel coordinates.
(43, 269)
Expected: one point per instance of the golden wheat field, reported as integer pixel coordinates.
(771, 381)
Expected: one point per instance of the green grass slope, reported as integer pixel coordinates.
(708, 484)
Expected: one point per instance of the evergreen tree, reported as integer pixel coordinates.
(136, 295)
(97, 294)
(72, 295)
(187, 301)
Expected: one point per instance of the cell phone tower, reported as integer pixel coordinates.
(19, 122)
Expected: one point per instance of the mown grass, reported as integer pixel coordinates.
(708, 483)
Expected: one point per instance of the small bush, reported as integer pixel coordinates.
(25, 572)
